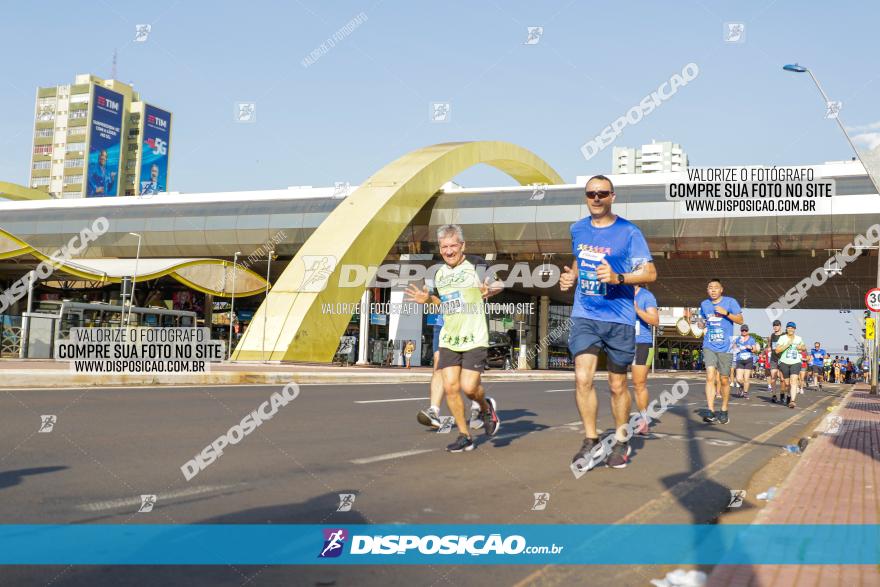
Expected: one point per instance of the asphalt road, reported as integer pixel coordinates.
(109, 446)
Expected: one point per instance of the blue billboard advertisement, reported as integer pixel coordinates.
(105, 140)
(154, 151)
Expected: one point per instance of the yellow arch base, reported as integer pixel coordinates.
(361, 230)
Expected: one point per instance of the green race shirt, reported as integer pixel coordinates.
(461, 303)
(791, 355)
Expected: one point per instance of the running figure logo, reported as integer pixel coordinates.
(538, 191)
(334, 541)
(446, 424)
(534, 35)
(141, 32)
(346, 501)
(736, 498)
(734, 32)
(440, 112)
(245, 112)
(832, 108)
(341, 189)
(147, 503)
(318, 269)
(47, 423)
(541, 500)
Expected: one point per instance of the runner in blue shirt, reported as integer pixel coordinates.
(647, 317)
(817, 364)
(611, 255)
(744, 348)
(718, 314)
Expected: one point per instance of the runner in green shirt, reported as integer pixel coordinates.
(464, 338)
(789, 347)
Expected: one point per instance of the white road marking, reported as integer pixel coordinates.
(555, 390)
(392, 455)
(114, 504)
(401, 399)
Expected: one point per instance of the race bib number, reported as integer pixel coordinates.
(714, 330)
(590, 284)
(745, 356)
(792, 353)
(451, 303)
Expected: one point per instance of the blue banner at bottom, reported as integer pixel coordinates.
(521, 544)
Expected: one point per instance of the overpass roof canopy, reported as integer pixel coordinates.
(211, 276)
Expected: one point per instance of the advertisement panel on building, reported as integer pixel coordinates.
(154, 151)
(105, 140)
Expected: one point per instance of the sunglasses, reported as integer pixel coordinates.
(601, 194)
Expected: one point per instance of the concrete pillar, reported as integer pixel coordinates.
(209, 309)
(543, 331)
(364, 340)
(531, 338)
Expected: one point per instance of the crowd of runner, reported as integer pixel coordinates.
(613, 314)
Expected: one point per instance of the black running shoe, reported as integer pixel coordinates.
(710, 417)
(583, 459)
(773, 399)
(619, 456)
(463, 443)
(491, 423)
(722, 417)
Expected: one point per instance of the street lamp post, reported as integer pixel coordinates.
(232, 304)
(795, 68)
(134, 279)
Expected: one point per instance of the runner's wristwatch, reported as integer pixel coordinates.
(620, 278)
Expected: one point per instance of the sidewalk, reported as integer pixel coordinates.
(835, 482)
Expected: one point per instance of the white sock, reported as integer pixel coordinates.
(435, 409)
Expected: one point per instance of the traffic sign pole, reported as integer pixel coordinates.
(872, 302)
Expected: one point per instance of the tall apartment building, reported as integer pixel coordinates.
(97, 138)
(653, 158)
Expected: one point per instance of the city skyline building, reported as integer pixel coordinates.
(97, 138)
(656, 157)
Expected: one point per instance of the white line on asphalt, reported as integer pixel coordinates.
(402, 399)
(555, 390)
(389, 456)
(114, 504)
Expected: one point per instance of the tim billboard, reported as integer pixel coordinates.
(154, 151)
(105, 141)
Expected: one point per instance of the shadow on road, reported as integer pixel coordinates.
(12, 478)
(513, 429)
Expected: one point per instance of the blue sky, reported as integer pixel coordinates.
(367, 100)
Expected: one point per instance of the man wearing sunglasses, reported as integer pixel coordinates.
(611, 256)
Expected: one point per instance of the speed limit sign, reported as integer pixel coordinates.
(872, 299)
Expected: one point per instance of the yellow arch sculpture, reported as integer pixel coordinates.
(361, 230)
